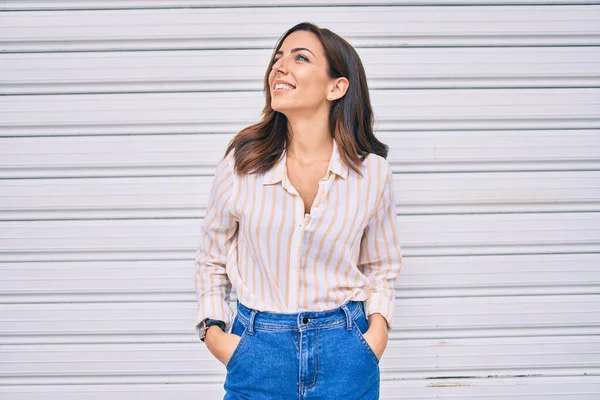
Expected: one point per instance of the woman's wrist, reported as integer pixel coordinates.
(378, 322)
(211, 333)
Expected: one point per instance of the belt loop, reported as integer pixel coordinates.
(348, 317)
(253, 313)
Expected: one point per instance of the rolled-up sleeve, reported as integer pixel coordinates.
(218, 231)
(380, 256)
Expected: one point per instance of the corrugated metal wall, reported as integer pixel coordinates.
(114, 113)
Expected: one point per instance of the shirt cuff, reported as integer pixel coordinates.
(381, 303)
(226, 317)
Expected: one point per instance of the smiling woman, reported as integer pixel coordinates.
(307, 70)
(328, 76)
(301, 221)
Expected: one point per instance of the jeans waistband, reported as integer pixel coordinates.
(303, 320)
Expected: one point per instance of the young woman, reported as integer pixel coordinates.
(301, 221)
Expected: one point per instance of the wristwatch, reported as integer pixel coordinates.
(205, 323)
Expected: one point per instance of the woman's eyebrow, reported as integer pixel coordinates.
(294, 50)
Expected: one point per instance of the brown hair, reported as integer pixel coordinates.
(259, 146)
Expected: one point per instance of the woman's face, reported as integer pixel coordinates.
(300, 62)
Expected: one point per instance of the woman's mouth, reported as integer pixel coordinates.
(282, 87)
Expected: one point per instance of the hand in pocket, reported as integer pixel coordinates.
(377, 344)
(221, 344)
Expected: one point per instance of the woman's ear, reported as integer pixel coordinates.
(338, 88)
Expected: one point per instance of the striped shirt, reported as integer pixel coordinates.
(257, 238)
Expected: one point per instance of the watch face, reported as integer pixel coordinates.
(202, 329)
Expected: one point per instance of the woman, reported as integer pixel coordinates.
(301, 221)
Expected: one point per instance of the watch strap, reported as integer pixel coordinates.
(210, 322)
(205, 323)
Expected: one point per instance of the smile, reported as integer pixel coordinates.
(282, 86)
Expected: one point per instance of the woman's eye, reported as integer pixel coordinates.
(298, 56)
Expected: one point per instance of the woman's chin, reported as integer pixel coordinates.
(281, 107)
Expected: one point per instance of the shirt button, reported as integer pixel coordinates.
(305, 320)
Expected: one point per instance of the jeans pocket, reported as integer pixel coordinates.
(240, 329)
(361, 325)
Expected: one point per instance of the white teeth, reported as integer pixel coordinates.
(283, 86)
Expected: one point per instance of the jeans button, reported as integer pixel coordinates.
(305, 320)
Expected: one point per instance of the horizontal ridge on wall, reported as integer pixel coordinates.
(227, 112)
(508, 387)
(197, 154)
(187, 29)
(243, 70)
(417, 359)
(423, 318)
(26, 5)
(422, 235)
(186, 197)
(421, 277)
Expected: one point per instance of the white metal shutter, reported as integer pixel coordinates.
(114, 113)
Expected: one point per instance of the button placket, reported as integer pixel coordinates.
(294, 276)
(324, 188)
(303, 222)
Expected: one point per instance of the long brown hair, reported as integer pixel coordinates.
(259, 146)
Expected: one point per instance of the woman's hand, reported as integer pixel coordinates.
(377, 334)
(221, 344)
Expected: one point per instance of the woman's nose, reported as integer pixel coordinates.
(280, 65)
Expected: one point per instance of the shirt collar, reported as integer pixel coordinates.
(278, 172)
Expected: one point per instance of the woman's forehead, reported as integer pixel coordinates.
(302, 39)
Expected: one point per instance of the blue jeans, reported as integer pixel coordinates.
(304, 355)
